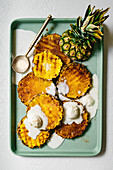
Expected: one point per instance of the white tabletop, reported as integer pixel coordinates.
(13, 9)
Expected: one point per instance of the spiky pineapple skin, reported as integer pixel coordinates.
(78, 50)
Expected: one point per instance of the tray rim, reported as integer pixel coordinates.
(51, 154)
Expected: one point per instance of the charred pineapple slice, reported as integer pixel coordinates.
(51, 43)
(46, 65)
(29, 141)
(50, 107)
(77, 80)
(31, 85)
(74, 129)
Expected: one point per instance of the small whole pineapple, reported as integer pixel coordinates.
(78, 42)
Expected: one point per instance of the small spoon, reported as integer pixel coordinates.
(20, 64)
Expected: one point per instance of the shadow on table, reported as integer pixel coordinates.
(108, 39)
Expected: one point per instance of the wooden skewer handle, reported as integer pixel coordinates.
(39, 33)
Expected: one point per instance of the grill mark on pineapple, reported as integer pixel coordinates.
(37, 62)
(77, 72)
(42, 57)
(47, 60)
(51, 58)
(41, 68)
(41, 49)
(51, 43)
(46, 45)
(54, 65)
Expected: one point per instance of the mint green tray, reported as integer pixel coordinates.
(89, 144)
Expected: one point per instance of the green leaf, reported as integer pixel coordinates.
(85, 23)
(98, 23)
(92, 26)
(92, 9)
(97, 15)
(104, 18)
(99, 32)
(103, 13)
(87, 12)
(93, 40)
(88, 43)
(96, 35)
(72, 34)
(79, 22)
(92, 19)
(73, 26)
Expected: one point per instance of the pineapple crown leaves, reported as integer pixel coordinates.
(89, 27)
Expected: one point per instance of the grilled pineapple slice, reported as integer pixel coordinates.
(74, 129)
(31, 85)
(76, 79)
(29, 141)
(47, 65)
(51, 43)
(50, 106)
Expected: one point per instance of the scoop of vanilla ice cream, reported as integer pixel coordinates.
(35, 120)
(72, 110)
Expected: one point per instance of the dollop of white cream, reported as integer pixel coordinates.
(62, 98)
(55, 141)
(21, 44)
(33, 132)
(79, 92)
(35, 120)
(63, 88)
(51, 89)
(72, 113)
(72, 110)
(21, 64)
(47, 66)
(90, 100)
(35, 114)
